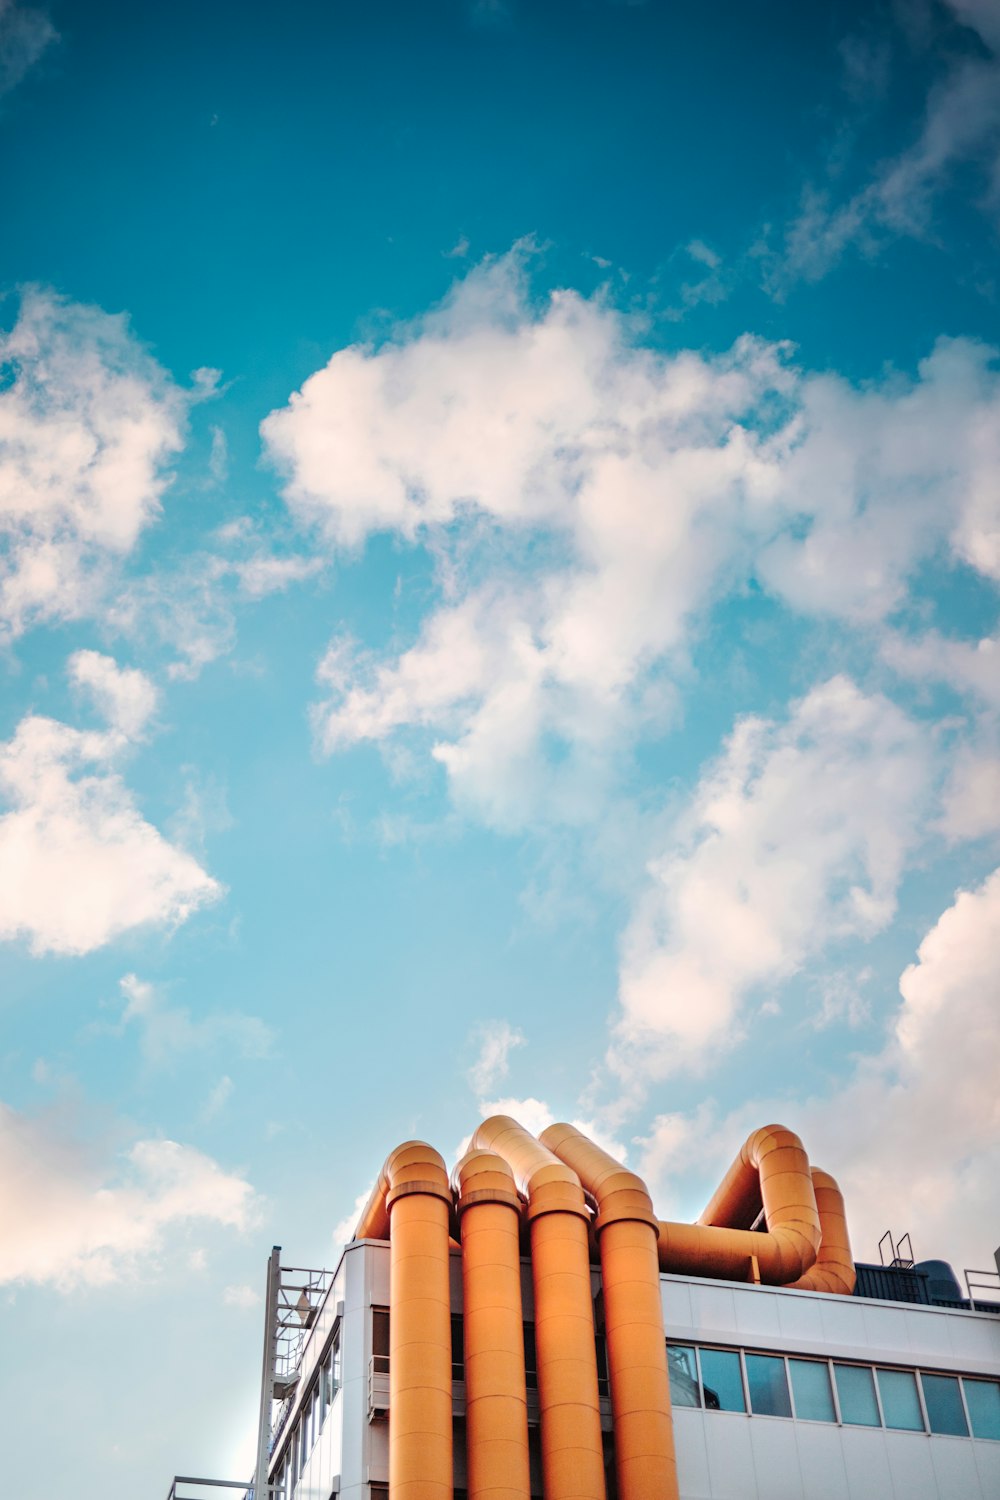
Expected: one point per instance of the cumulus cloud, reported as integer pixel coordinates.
(88, 425)
(497, 1039)
(125, 697)
(972, 795)
(78, 863)
(71, 1220)
(971, 667)
(913, 1134)
(536, 1115)
(916, 1135)
(797, 834)
(588, 500)
(168, 1032)
(25, 33)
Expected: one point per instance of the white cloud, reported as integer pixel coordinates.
(343, 1231)
(887, 476)
(916, 1136)
(536, 1115)
(971, 667)
(243, 1297)
(88, 423)
(168, 1032)
(533, 1114)
(913, 1136)
(497, 1039)
(78, 863)
(71, 1220)
(796, 835)
(587, 501)
(124, 695)
(192, 610)
(25, 33)
(961, 124)
(219, 1097)
(972, 796)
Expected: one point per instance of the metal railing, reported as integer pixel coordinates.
(982, 1281)
(213, 1484)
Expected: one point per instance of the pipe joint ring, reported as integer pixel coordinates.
(489, 1195)
(536, 1210)
(627, 1215)
(429, 1189)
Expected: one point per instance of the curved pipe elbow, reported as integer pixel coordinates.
(834, 1268)
(414, 1167)
(772, 1173)
(618, 1193)
(482, 1176)
(548, 1184)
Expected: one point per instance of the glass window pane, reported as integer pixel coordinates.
(683, 1375)
(811, 1387)
(721, 1380)
(944, 1405)
(856, 1391)
(983, 1400)
(768, 1386)
(530, 1366)
(898, 1389)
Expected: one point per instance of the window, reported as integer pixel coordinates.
(943, 1401)
(768, 1386)
(856, 1393)
(832, 1391)
(983, 1400)
(457, 1348)
(336, 1365)
(601, 1350)
(530, 1358)
(898, 1389)
(721, 1380)
(380, 1339)
(683, 1370)
(811, 1389)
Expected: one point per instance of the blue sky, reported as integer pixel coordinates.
(499, 548)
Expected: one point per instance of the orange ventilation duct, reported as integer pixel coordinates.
(572, 1449)
(496, 1400)
(771, 1172)
(627, 1232)
(412, 1200)
(805, 1245)
(834, 1269)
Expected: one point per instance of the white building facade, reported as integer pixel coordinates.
(777, 1394)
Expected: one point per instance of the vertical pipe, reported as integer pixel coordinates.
(627, 1231)
(572, 1448)
(496, 1399)
(834, 1269)
(418, 1199)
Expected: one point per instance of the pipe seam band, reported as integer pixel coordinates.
(429, 1189)
(489, 1195)
(627, 1216)
(539, 1210)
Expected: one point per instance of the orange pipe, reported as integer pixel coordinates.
(412, 1200)
(572, 1449)
(496, 1398)
(627, 1230)
(771, 1171)
(834, 1269)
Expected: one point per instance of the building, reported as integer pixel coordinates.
(531, 1329)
